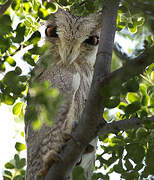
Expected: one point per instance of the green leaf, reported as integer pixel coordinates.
(20, 163)
(21, 115)
(27, 57)
(39, 50)
(63, 2)
(8, 99)
(121, 25)
(128, 165)
(122, 9)
(5, 24)
(89, 5)
(19, 146)
(132, 97)
(22, 134)
(16, 158)
(135, 152)
(143, 113)
(2, 66)
(23, 172)
(27, 7)
(4, 43)
(30, 20)
(141, 133)
(6, 178)
(17, 108)
(10, 60)
(35, 37)
(31, 114)
(51, 6)
(27, 23)
(122, 106)
(132, 85)
(143, 89)
(152, 75)
(43, 13)
(37, 124)
(132, 28)
(18, 70)
(145, 99)
(106, 115)
(15, 5)
(11, 81)
(130, 175)
(138, 21)
(8, 173)
(3, 2)
(112, 102)
(20, 32)
(118, 167)
(9, 166)
(97, 176)
(19, 177)
(78, 173)
(23, 78)
(132, 108)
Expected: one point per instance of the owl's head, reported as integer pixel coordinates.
(73, 37)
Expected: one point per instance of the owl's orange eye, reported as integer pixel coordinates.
(92, 40)
(51, 31)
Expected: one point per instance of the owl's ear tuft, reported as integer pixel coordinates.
(52, 19)
(98, 19)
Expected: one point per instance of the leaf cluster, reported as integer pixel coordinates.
(42, 104)
(15, 168)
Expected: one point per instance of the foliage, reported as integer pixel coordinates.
(44, 102)
(15, 168)
(128, 153)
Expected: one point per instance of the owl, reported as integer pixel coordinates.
(73, 47)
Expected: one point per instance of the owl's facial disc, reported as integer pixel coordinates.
(69, 49)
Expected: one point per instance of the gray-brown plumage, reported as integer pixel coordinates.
(73, 50)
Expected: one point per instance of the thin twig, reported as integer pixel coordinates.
(17, 50)
(123, 125)
(82, 3)
(4, 7)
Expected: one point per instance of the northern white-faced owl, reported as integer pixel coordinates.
(74, 42)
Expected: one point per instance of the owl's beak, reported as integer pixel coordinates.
(69, 53)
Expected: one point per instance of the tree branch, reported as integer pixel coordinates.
(132, 68)
(120, 54)
(19, 49)
(123, 125)
(92, 115)
(5, 6)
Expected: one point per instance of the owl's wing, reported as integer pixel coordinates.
(44, 144)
